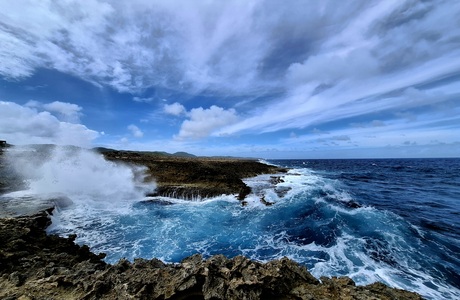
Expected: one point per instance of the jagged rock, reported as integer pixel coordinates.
(265, 202)
(34, 265)
(274, 180)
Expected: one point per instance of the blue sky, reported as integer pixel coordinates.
(270, 79)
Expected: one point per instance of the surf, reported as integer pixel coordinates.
(312, 218)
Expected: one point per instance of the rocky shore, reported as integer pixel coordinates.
(191, 177)
(34, 265)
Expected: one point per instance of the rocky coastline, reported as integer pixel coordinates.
(34, 265)
(191, 177)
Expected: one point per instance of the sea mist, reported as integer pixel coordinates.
(82, 176)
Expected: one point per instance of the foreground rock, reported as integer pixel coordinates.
(34, 265)
(195, 177)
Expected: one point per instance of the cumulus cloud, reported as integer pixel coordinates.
(67, 111)
(26, 125)
(202, 122)
(175, 109)
(64, 111)
(135, 131)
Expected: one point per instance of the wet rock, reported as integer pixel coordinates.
(274, 180)
(282, 191)
(157, 201)
(265, 202)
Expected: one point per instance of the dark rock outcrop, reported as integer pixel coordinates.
(194, 177)
(34, 265)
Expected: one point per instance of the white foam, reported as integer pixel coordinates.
(265, 162)
(166, 232)
(81, 175)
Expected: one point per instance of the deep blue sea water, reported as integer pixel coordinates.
(393, 220)
(417, 233)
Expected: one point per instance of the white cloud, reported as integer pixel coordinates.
(371, 66)
(135, 131)
(239, 47)
(25, 125)
(46, 35)
(219, 46)
(175, 109)
(33, 104)
(329, 68)
(371, 135)
(341, 60)
(66, 111)
(123, 142)
(202, 122)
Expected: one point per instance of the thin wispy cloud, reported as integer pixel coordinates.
(145, 99)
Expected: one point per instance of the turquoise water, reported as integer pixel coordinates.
(394, 221)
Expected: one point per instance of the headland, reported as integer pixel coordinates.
(189, 177)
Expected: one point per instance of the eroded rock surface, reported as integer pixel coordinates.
(193, 177)
(34, 265)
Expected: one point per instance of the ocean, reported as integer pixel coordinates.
(395, 221)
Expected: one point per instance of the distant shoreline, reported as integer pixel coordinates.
(181, 173)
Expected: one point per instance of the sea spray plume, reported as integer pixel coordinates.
(82, 175)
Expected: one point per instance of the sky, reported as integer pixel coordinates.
(258, 78)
